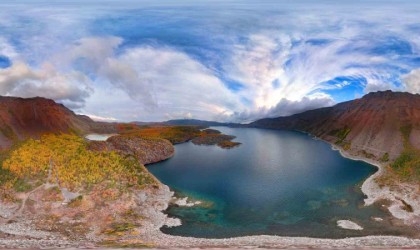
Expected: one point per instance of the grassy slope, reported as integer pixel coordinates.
(407, 165)
(105, 183)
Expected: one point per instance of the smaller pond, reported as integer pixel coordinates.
(98, 137)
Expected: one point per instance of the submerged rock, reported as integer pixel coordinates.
(183, 202)
(377, 219)
(348, 224)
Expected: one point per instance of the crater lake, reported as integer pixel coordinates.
(276, 182)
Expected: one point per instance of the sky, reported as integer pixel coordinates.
(232, 61)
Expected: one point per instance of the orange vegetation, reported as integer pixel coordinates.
(65, 160)
(175, 134)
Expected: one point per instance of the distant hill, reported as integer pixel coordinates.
(189, 122)
(21, 118)
(195, 122)
(373, 125)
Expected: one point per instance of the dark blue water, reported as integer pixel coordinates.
(277, 182)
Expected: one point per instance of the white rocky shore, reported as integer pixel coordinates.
(155, 200)
(158, 200)
(404, 193)
(183, 202)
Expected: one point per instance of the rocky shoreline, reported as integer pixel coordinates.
(157, 219)
(406, 194)
(155, 201)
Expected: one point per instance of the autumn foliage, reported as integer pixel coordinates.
(65, 160)
(174, 134)
(407, 165)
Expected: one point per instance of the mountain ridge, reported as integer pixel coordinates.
(21, 118)
(188, 122)
(369, 125)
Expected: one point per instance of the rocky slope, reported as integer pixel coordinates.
(146, 151)
(215, 137)
(21, 118)
(369, 126)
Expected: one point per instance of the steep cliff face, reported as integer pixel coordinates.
(370, 125)
(146, 151)
(21, 118)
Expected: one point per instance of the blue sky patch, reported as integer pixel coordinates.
(345, 88)
(5, 62)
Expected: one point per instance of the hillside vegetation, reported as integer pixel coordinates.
(65, 161)
(174, 134)
(57, 184)
(407, 165)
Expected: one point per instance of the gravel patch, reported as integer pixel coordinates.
(7, 210)
(24, 229)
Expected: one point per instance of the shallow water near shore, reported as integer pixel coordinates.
(276, 183)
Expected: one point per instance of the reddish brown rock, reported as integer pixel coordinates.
(373, 122)
(145, 150)
(21, 118)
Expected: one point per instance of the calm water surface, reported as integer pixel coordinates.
(98, 137)
(277, 182)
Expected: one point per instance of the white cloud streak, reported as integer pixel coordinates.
(284, 107)
(101, 118)
(412, 81)
(71, 88)
(270, 52)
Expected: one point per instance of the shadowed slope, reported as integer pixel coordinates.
(370, 125)
(21, 118)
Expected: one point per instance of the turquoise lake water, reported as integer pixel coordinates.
(276, 183)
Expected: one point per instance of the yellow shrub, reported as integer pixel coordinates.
(65, 159)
